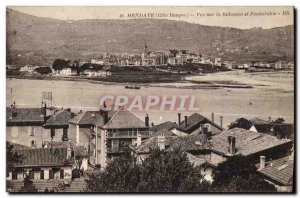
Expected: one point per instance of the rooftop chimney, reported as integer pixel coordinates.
(212, 117)
(147, 120)
(262, 163)
(179, 118)
(221, 121)
(185, 121)
(231, 145)
(139, 139)
(161, 141)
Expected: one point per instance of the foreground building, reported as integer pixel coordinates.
(106, 134)
(209, 153)
(25, 125)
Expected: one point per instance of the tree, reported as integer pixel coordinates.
(59, 64)
(279, 121)
(43, 70)
(241, 123)
(161, 171)
(28, 186)
(238, 174)
(12, 158)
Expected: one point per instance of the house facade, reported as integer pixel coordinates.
(25, 125)
(106, 134)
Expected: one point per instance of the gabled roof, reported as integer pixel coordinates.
(91, 118)
(59, 119)
(43, 157)
(194, 121)
(165, 125)
(124, 119)
(279, 170)
(163, 132)
(247, 142)
(186, 143)
(198, 160)
(24, 116)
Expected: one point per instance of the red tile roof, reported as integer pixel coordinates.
(24, 116)
(124, 119)
(247, 142)
(43, 157)
(59, 119)
(280, 170)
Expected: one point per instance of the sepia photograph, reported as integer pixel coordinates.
(150, 99)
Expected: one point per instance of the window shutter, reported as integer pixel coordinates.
(31, 175)
(61, 174)
(42, 174)
(51, 174)
(14, 175)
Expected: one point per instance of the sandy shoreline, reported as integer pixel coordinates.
(233, 80)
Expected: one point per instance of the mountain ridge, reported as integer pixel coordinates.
(49, 38)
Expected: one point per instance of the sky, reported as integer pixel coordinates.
(237, 17)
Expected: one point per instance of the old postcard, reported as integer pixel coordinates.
(150, 99)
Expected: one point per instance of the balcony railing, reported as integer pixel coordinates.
(117, 150)
(127, 134)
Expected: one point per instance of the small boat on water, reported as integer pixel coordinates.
(132, 87)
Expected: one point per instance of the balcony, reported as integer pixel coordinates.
(117, 150)
(127, 134)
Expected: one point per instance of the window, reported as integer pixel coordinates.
(14, 175)
(33, 143)
(51, 174)
(42, 174)
(52, 132)
(32, 131)
(61, 174)
(65, 134)
(31, 175)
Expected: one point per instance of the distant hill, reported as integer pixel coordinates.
(39, 40)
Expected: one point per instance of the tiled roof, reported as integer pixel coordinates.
(90, 118)
(194, 121)
(124, 119)
(163, 132)
(59, 119)
(247, 142)
(186, 143)
(198, 160)
(165, 125)
(259, 121)
(17, 146)
(24, 115)
(78, 150)
(281, 170)
(43, 157)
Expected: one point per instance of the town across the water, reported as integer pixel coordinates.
(157, 65)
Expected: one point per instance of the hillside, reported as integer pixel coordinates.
(38, 40)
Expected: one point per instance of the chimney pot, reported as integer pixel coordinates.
(213, 117)
(185, 121)
(231, 148)
(179, 118)
(147, 120)
(221, 121)
(262, 163)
